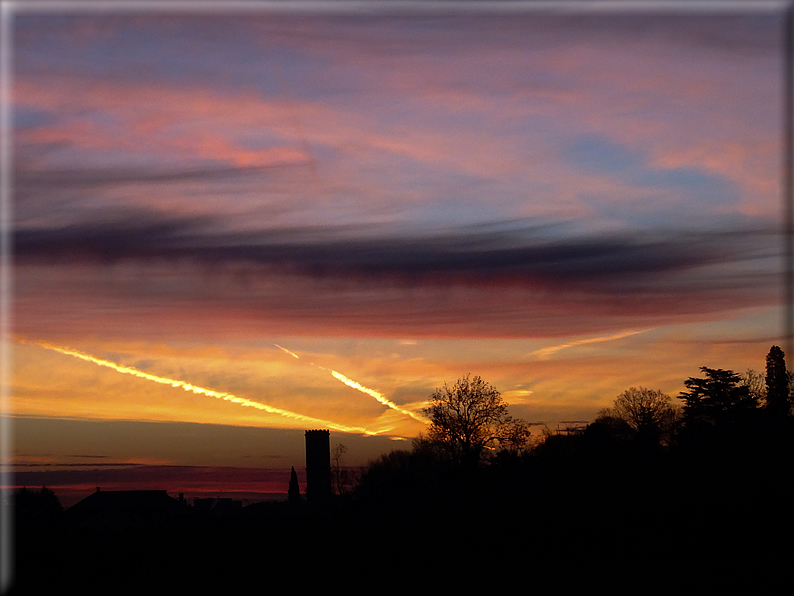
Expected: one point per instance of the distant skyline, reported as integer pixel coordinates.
(282, 219)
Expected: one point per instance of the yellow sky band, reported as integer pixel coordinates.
(129, 370)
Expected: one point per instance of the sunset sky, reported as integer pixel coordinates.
(319, 216)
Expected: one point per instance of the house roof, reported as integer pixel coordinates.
(127, 500)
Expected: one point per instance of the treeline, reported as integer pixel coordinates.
(687, 493)
(723, 415)
(703, 479)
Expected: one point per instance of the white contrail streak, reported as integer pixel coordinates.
(545, 353)
(129, 370)
(378, 396)
(371, 392)
(293, 354)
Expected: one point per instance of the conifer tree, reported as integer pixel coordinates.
(777, 383)
(294, 493)
(720, 398)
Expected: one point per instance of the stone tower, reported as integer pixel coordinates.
(318, 465)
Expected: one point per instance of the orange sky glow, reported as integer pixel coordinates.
(231, 228)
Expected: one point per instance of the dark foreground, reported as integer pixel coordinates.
(579, 512)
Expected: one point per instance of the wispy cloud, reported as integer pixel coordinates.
(549, 179)
(467, 256)
(546, 353)
(489, 282)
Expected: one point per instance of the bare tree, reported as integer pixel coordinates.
(341, 476)
(471, 417)
(649, 412)
(756, 384)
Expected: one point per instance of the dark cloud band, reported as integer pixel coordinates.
(469, 256)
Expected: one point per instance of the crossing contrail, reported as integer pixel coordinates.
(355, 385)
(377, 395)
(129, 370)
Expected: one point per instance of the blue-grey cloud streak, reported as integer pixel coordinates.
(488, 255)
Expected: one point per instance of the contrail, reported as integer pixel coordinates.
(545, 353)
(293, 354)
(129, 370)
(371, 392)
(378, 396)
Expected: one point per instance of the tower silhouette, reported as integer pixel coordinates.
(318, 465)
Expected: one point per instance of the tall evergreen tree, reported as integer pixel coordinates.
(777, 383)
(718, 399)
(294, 493)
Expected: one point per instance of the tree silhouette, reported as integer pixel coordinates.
(777, 383)
(32, 502)
(722, 397)
(471, 417)
(341, 477)
(293, 493)
(756, 383)
(649, 412)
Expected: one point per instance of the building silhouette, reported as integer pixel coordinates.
(318, 465)
(120, 511)
(128, 500)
